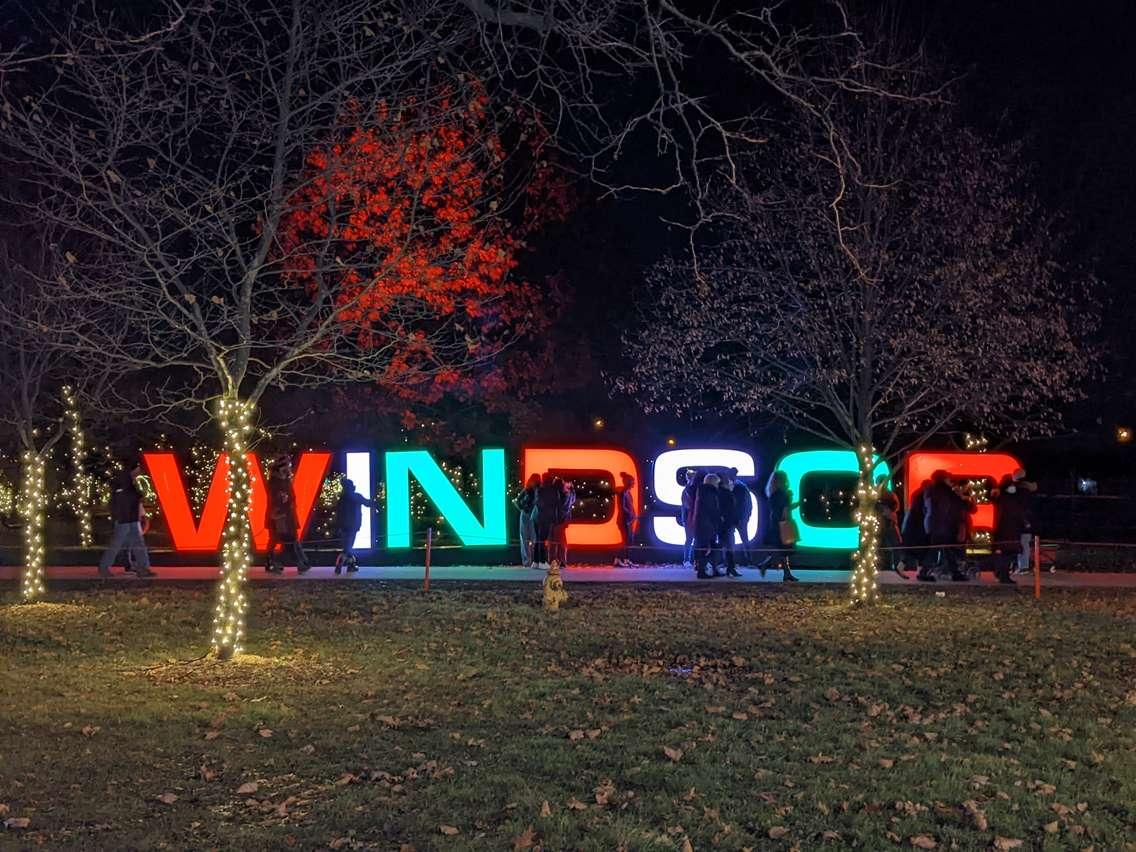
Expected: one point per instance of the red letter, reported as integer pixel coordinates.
(921, 465)
(187, 535)
(587, 460)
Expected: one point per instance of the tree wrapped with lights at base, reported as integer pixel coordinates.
(42, 383)
(881, 277)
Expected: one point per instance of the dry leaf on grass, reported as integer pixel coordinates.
(886, 763)
(576, 805)
(778, 831)
(167, 798)
(976, 814)
(922, 841)
(575, 735)
(1003, 843)
(686, 846)
(3, 809)
(207, 773)
(212, 735)
(545, 809)
(525, 840)
(90, 730)
(248, 788)
(265, 732)
(17, 822)
(1052, 827)
(674, 754)
(448, 830)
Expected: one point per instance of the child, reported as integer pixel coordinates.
(348, 519)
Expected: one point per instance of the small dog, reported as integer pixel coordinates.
(554, 591)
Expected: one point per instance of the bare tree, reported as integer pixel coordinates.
(39, 378)
(929, 298)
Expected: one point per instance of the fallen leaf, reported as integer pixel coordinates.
(674, 754)
(212, 735)
(887, 762)
(525, 840)
(208, 774)
(167, 798)
(248, 788)
(830, 835)
(90, 730)
(778, 831)
(832, 693)
(448, 830)
(1052, 827)
(1002, 843)
(545, 809)
(922, 841)
(17, 822)
(345, 779)
(265, 732)
(3, 809)
(575, 735)
(576, 805)
(976, 814)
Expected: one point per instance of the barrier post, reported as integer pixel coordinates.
(1037, 567)
(429, 545)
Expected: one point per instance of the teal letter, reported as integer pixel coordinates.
(399, 467)
(799, 465)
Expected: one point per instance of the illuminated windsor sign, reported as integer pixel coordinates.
(487, 525)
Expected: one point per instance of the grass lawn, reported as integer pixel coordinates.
(378, 717)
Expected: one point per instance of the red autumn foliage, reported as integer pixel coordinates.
(415, 223)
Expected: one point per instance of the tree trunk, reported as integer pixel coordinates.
(33, 506)
(234, 417)
(80, 479)
(865, 561)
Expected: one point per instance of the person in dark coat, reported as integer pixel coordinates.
(525, 502)
(743, 510)
(707, 526)
(283, 526)
(729, 524)
(348, 520)
(627, 516)
(686, 516)
(546, 509)
(778, 505)
(944, 512)
(558, 537)
(1011, 511)
(127, 513)
(1025, 491)
(887, 511)
(912, 533)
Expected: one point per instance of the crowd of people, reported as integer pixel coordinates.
(937, 526)
(715, 513)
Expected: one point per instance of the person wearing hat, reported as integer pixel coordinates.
(282, 522)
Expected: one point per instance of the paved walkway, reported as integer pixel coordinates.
(576, 574)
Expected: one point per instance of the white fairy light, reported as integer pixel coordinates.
(81, 483)
(236, 540)
(865, 560)
(33, 507)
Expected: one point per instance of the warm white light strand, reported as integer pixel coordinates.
(865, 560)
(236, 540)
(33, 508)
(81, 483)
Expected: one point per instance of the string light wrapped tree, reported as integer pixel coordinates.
(81, 489)
(908, 287)
(41, 383)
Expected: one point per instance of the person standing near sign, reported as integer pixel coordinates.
(127, 513)
(525, 503)
(348, 520)
(282, 523)
(779, 528)
(628, 517)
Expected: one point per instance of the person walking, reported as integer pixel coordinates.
(282, 522)
(1025, 491)
(524, 503)
(944, 513)
(743, 510)
(729, 523)
(887, 511)
(778, 505)
(628, 518)
(544, 513)
(348, 520)
(127, 512)
(707, 526)
(686, 514)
